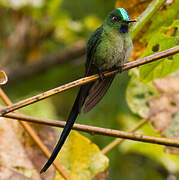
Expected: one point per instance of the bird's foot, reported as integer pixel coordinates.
(100, 73)
(120, 69)
(101, 76)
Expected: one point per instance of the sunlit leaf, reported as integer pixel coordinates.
(81, 158)
(162, 34)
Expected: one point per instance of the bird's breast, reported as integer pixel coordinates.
(113, 51)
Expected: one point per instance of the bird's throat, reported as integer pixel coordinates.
(124, 28)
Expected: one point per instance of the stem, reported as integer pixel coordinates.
(36, 138)
(102, 131)
(88, 79)
(145, 16)
(118, 141)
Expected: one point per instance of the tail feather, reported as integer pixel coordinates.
(96, 93)
(83, 93)
(89, 94)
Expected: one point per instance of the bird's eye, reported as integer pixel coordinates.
(115, 18)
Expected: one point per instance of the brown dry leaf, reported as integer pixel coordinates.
(172, 150)
(102, 175)
(135, 8)
(173, 132)
(32, 155)
(167, 85)
(14, 161)
(161, 121)
(164, 109)
(47, 135)
(3, 78)
(17, 176)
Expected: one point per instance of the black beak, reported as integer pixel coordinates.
(130, 21)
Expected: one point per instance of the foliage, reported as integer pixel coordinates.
(152, 98)
(162, 34)
(86, 162)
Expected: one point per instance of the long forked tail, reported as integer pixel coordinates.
(89, 95)
(83, 93)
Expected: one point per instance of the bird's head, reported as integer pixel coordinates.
(118, 19)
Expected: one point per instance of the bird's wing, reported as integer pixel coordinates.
(98, 88)
(90, 69)
(92, 45)
(97, 92)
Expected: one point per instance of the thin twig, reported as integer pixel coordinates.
(88, 79)
(118, 141)
(73, 52)
(55, 123)
(145, 16)
(101, 131)
(36, 138)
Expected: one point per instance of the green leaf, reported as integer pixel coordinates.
(162, 34)
(170, 162)
(173, 129)
(155, 152)
(138, 94)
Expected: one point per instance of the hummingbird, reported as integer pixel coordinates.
(109, 46)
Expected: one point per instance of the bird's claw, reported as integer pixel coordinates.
(120, 69)
(100, 73)
(101, 76)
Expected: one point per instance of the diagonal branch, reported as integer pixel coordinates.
(118, 141)
(36, 138)
(88, 79)
(75, 51)
(102, 131)
(145, 16)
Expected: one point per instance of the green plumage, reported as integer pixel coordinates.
(108, 47)
(114, 48)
